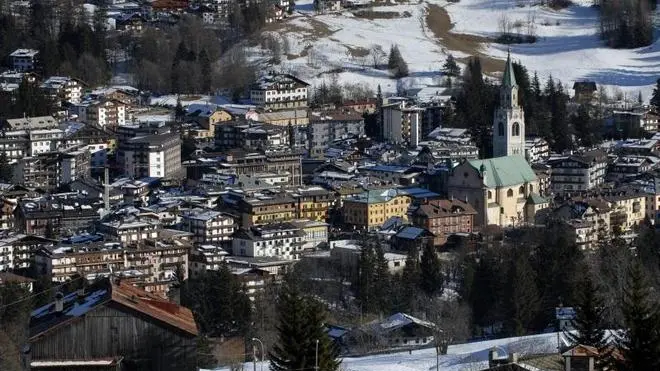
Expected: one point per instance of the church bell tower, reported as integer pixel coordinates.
(509, 118)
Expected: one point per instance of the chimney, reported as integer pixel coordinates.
(59, 302)
(513, 357)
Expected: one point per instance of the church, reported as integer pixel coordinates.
(504, 189)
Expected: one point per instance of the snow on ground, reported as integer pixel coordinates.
(568, 45)
(469, 356)
(318, 47)
(170, 100)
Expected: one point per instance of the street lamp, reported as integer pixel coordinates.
(262, 352)
(316, 359)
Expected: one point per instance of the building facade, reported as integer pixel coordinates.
(279, 91)
(402, 124)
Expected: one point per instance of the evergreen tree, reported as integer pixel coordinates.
(589, 326)
(219, 303)
(450, 67)
(585, 127)
(396, 64)
(523, 297)
(373, 278)
(431, 278)
(300, 327)
(655, 98)
(291, 7)
(640, 341)
(206, 71)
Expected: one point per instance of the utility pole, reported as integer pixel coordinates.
(106, 190)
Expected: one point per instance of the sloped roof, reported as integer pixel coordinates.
(45, 319)
(505, 171)
(536, 199)
(399, 320)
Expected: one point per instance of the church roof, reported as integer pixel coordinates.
(505, 171)
(509, 78)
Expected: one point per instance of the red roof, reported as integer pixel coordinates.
(169, 4)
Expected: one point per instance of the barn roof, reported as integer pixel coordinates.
(104, 292)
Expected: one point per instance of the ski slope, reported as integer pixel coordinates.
(318, 48)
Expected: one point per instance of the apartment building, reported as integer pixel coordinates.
(580, 172)
(279, 91)
(208, 226)
(104, 113)
(443, 218)
(63, 89)
(50, 170)
(206, 258)
(628, 208)
(402, 124)
(17, 251)
(369, 210)
(27, 136)
(241, 162)
(265, 208)
(130, 230)
(326, 127)
(279, 240)
(51, 218)
(157, 156)
(312, 202)
(23, 60)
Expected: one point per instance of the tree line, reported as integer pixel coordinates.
(627, 23)
(70, 42)
(546, 106)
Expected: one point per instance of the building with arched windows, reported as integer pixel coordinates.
(509, 118)
(504, 190)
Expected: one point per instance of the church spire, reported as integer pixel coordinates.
(509, 78)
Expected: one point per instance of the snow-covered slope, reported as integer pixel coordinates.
(470, 356)
(568, 47)
(316, 47)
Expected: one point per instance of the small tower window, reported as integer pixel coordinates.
(521, 190)
(509, 193)
(490, 195)
(500, 129)
(516, 129)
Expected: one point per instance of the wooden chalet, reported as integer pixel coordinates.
(111, 325)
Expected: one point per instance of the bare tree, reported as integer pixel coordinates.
(377, 55)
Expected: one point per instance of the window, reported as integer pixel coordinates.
(509, 193)
(516, 129)
(531, 188)
(490, 195)
(500, 129)
(521, 190)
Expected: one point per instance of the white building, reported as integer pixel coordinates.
(63, 88)
(157, 156)
(24, 59)
(402, 124)
(102, 113)
(44, 140)
(536, 149)
(578, 172)
(279, 91)
(283, 241)
(509, 118)
(208, 226)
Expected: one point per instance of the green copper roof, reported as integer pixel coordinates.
(536, 199)
(509, 78)
(505, 171)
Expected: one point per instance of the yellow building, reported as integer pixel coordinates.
(499, 189)
(371, 209)
(207, 118)
(267, 209)
(312, 202)
(628, 209)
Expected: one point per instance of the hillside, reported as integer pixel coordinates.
(316, 47)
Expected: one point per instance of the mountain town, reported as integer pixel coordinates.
(329, 185)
